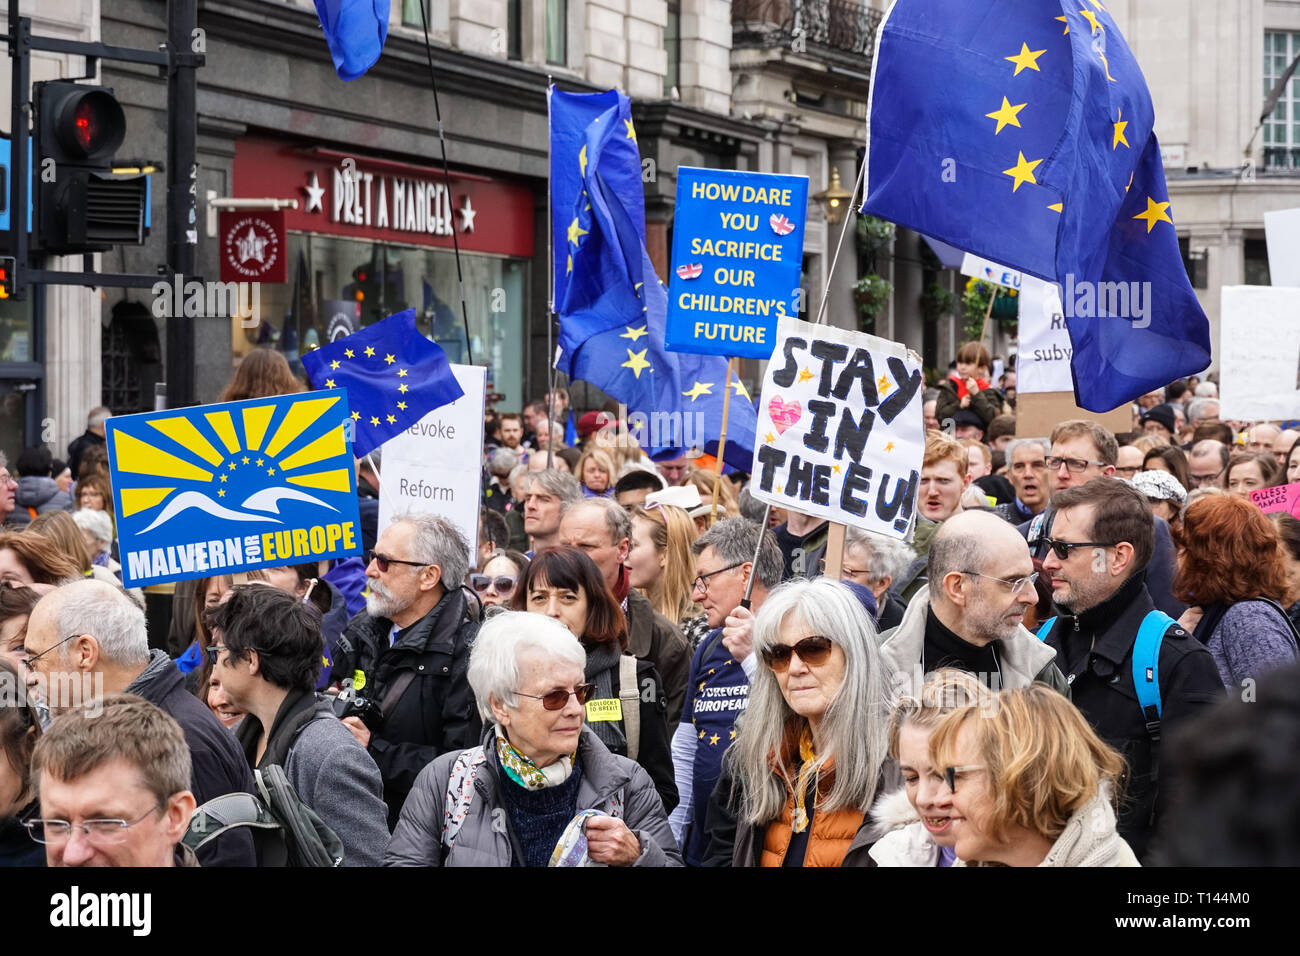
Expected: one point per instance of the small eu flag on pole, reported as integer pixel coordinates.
(393, 374)
(1021, 131)
(355, 31)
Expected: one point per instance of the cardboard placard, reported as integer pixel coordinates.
(840, 432)
(1283, 498)
(1038, 414)
(1259, 353)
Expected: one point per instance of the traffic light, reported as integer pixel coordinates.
(81, 206)
(6, 277)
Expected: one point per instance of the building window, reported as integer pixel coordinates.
(1255, 262)
(514, 20)
(411, 14)
(673, 47)
(557, 31)
(1282, 128)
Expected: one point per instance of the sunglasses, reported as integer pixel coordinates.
(556, 699)
(504, 583)
(382, 561)
(1062, 548)
(813, 651)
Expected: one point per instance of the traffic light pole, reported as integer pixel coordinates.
(182, 192)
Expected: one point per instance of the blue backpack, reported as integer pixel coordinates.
(1146, 664)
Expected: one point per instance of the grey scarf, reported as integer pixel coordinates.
(602, 670)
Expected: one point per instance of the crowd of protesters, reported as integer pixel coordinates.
(642, 665)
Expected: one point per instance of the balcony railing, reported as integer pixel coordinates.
(844, 27)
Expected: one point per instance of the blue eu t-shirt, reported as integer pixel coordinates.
(718, 694)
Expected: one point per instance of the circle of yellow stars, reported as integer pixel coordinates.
(389, 360)
(220, 476)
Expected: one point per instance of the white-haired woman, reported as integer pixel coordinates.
(798, 782)
(97, 531)
(541, 789)
(875, 562)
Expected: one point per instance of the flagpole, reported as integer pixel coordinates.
(758, 550)
(853, 202)
(722, 442)
(984, 329)
(550, 287)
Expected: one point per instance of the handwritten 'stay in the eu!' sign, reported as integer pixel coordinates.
(840, 430)
(216, 489)
(737, 259)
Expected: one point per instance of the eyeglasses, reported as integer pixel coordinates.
(213, 651)
(1126, 472)
(1024, 467)
(504, 583)
(701, 583)
(1200, 480)
(950, 775)
(1016, 584)
(846, 572)
(29, 661)
(556, 699)
(1076, 465)
(813, 651)
(101, 832)
(382, 561)
(1062, 548)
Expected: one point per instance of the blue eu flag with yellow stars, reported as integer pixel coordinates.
(611, 303)
(1021, 131)
(393, 374)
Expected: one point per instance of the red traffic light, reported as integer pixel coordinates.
(89, 123)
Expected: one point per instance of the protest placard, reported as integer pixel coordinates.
(435, 466)
(1259, 353)
(1282, 233)
(1283, 498)
(989, 271)
(261, 483)
(737, 260)
(840, 430)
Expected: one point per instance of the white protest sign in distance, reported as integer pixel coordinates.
(1259, 353)
(1043, 358)
(840, 431)
(435, 466)
(987, 270)
(1282, 233)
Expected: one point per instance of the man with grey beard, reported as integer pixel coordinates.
(408, 653)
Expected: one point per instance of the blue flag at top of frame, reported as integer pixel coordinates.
(222, 488)
(1021, 131)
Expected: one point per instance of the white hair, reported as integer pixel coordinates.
(886, 557)
(1207, 390)
(494, 659)
(855, 726)
(438, 541)
(96, 522)
(109, 616)
(1198, 408)
(1043, 443)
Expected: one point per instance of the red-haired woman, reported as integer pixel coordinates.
(564, 583)
(1231, 572)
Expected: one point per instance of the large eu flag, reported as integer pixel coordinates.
(611, 303)
(1021, 130)
(355, 31)
(393, 374)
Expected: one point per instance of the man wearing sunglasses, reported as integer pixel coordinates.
(1081, 451)
(981, 579)
(1098, 551)
(408, 652)
(90, 639)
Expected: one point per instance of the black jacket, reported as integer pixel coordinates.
(217, 764)
(436, 712)
(1096, 647)
(78, 448)
(652, 637)
(17, 848)
(653, 753)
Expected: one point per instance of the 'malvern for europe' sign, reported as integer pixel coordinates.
(840, 432)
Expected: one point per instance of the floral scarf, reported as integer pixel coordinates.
(527, 774)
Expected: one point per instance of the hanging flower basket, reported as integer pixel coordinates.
(874, 234)
(872, 294)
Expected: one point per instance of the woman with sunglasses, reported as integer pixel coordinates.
(541, 789)
(629, 710)
(797, 783)
(497, 584)
(1031, 783)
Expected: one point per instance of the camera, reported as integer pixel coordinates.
(351, 704)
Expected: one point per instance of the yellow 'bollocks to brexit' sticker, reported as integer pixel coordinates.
(609, 708)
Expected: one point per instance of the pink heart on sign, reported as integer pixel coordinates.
(783, 414)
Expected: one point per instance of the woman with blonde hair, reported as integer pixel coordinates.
(728, 502)
(1031, 783)
(914, 824)
(596, 473)
(661, 566)
(260, 374)
(797, 783)
(59, 527)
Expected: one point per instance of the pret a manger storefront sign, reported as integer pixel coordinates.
(394, 202)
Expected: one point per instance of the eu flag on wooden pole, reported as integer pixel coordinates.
(1021, 131)
(393, 374)
(355, 31)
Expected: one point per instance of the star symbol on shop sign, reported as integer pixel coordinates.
(314, 192)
